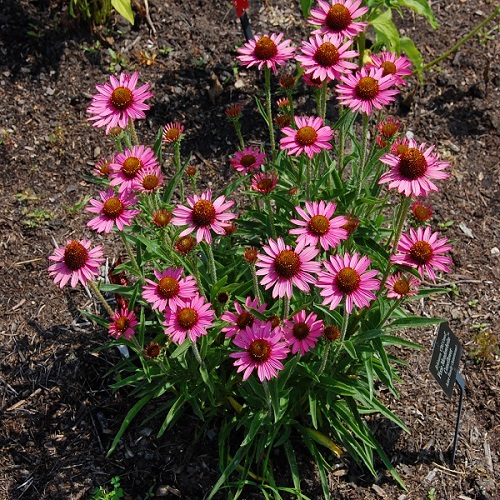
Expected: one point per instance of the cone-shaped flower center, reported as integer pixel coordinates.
(402, 287)
(326, 55)
(265, 49)
(421, 252)
(251, 255)
(318, 225)
(274, 320)
(348, 280)
(338, 17)
(203, 213)
(265, 185)
(75, 255)
(367, 88)
(287, 264)
(168, 287)
(287, 82)
(122, 323)
(104, 168)
(247, 160)
(422, 212)
(172, 134)
(300, 331)
(185, 244)
(389, 129)
(401, 148)
(152, 350)
(131, 166)
(389, 68)
(121, 98)
(187, 318)
(412, 164)
(306, 136)
(259, 350)
(112, 208)
(331, 333)
(150, 182)
(351, 224)
(244, 319)
(161, 217)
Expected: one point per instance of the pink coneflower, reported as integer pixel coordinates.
(233, 111)
(326, 57)
(422, 250)
(422, 212)
(266, 50)
(185, 244)
(122, 324)
(118, 102)
(242, 318)
(312, 82)
(389, 127)
(400, 285)
(337, 17)
(366, 89)
(148, 180)
(248, 160)
(75, 262)
(284, 267)
(302, 331)
(102, 167)
(169, 288)
(191, 317)
(263, 348)
(310, 137)
(113, 209)
(392, 64)
(348, 277)
(319, 227)
(172, 132)
(162, 217)
(399, 146)
(202, 216)
(412, 170)
(127, 165)
(264, 182)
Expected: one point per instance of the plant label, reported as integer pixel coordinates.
(446, 355)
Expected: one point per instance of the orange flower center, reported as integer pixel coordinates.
(168, 287)
(259, 350)
(306, 136)
(244, 319)
(351, 224)
(326, 55)
(338, 17)
(274, 320)
(152, 350)
(112, 208)
(348, 280)
(251, 255)
(412, 164)
(265, 49)
(150, 182)
(421, 212)
(172, 134)
(161, 218)
(367, 88)
(121, 98)
(331, 333)
(389, 68)
(287, 82)
(401, 148)
(185, 244)
(389, 129)
(203, 213)
(287, 264)
(131, 166)
(421, 252)
(75, 255)
(318, 225)
(300, 331)
(122, 323)
(265, 185)
(402, 287)
(187, 318)
(247, 160)
(104, 168)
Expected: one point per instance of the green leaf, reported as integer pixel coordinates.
(292, 462)
(409, 48)
(423, 8)
(413, 322)
(385, 30)
(124, 8)
(305, 7)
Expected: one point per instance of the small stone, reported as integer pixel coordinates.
(495, 251)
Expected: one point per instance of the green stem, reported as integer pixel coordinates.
(309, 176)
(267, 85)
(270, 213)
(345, 322)
(268, 397)
(286, 306)
(460, 42)
(100, 296)
(133, 133)
(197, 277)
(324, 89)
(324, 360)
(237, 128)
(255, 281)
(197, 355)
(130, 254)
(362, 156)
(211, 264)
(341, 149)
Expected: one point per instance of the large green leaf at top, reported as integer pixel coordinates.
(124, 8)
(386, 31)
(423, 8)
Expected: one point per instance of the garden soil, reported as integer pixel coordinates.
(57, 413)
